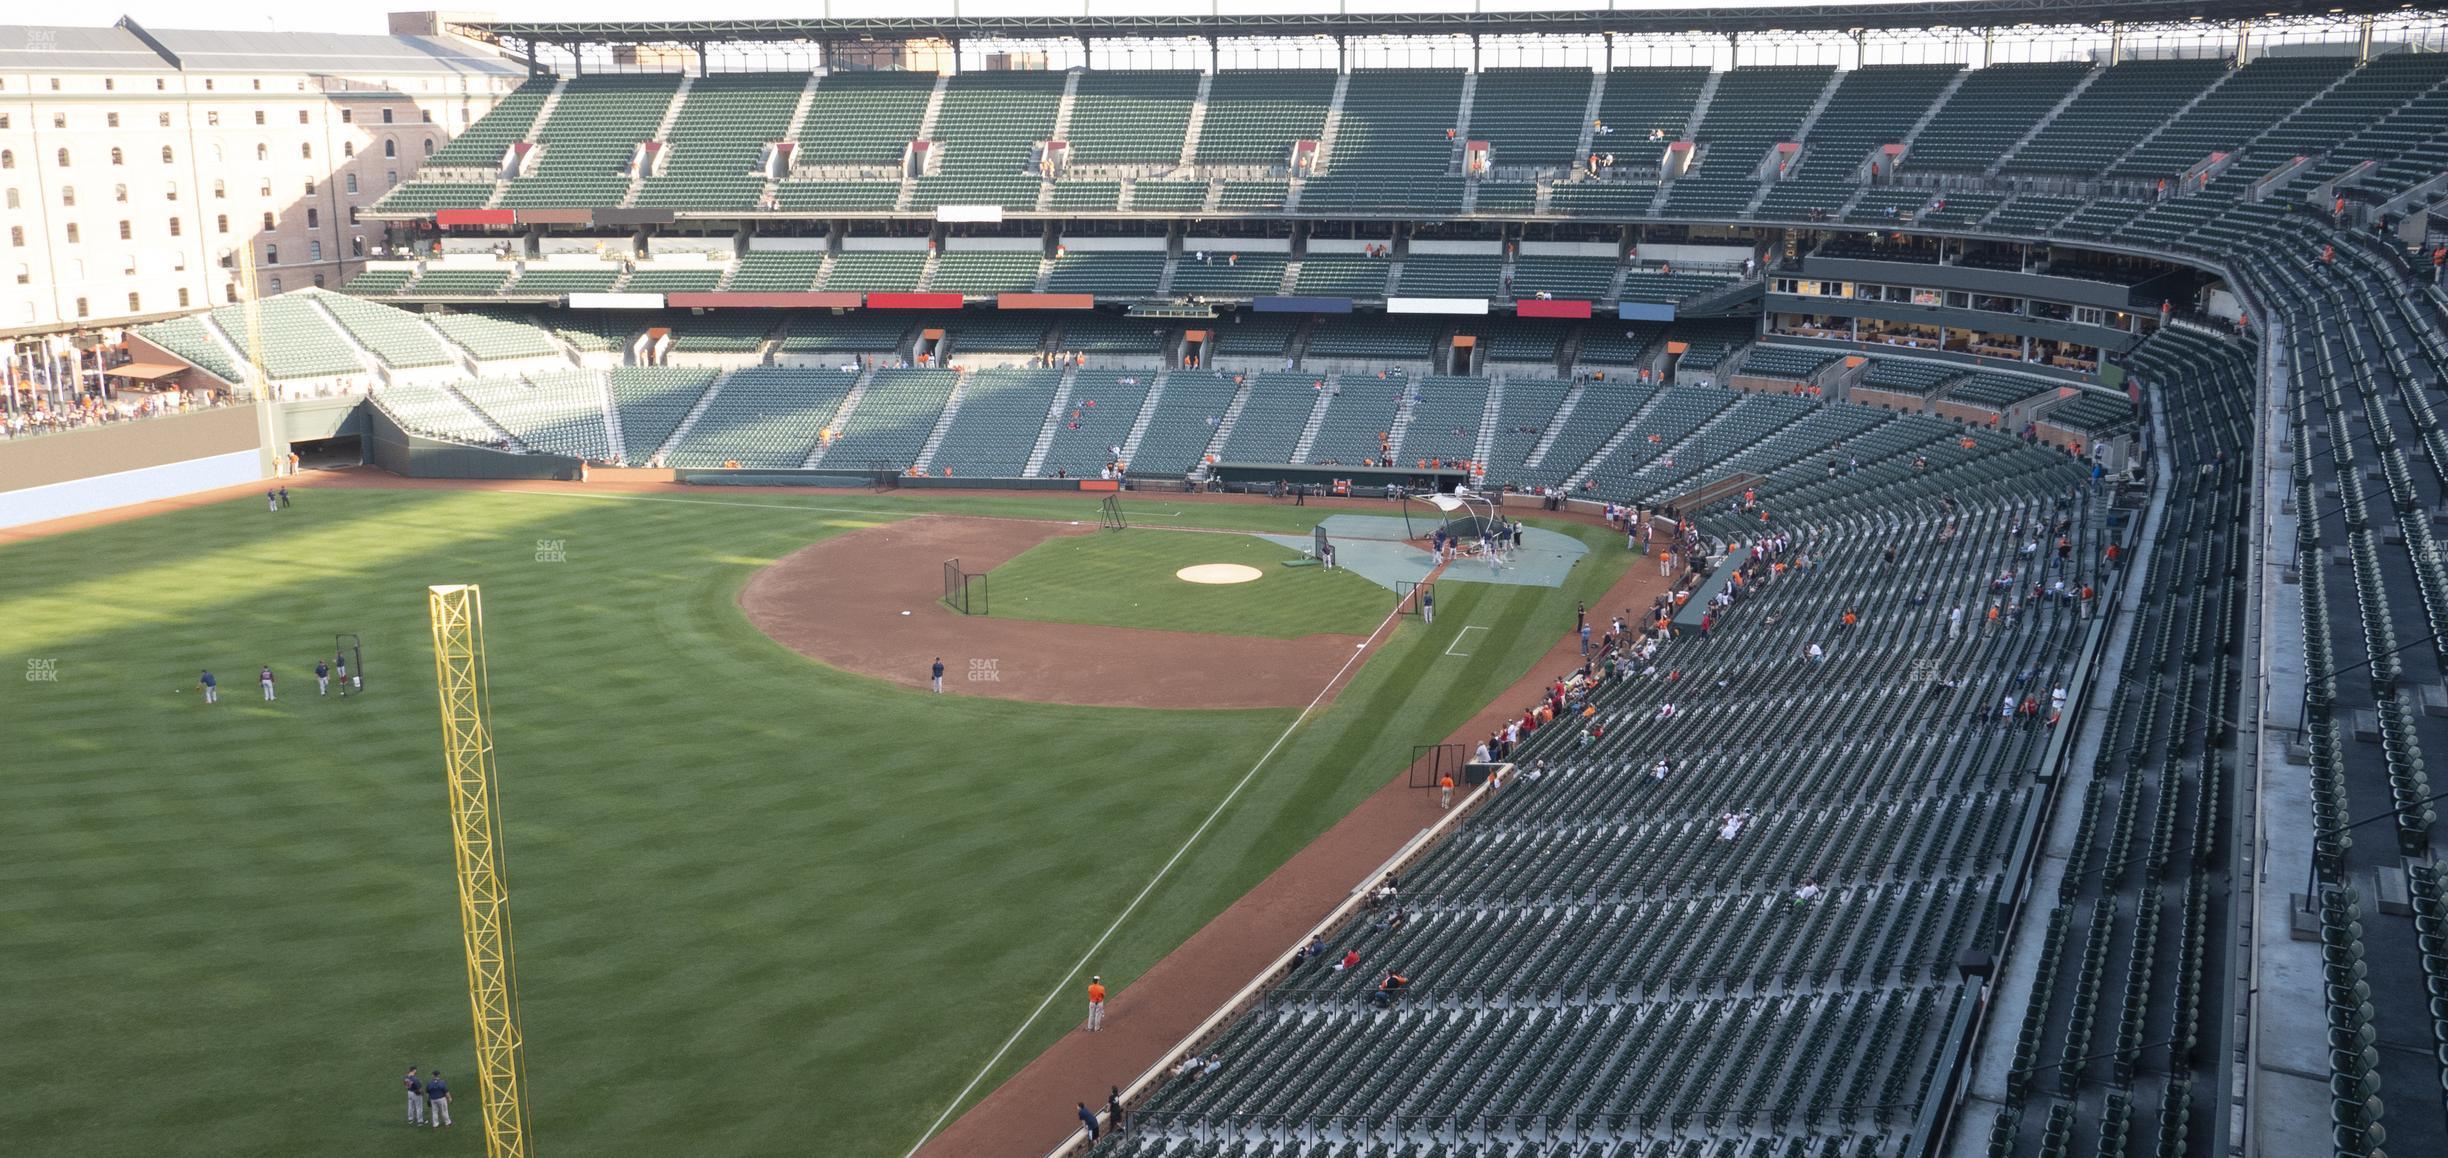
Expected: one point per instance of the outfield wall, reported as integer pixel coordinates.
(395, 449)
(77, 472)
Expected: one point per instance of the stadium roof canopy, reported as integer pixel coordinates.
(1821, 17)
(129, 47)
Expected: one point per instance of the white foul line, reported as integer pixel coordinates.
(1457, 641)
(1133, 906)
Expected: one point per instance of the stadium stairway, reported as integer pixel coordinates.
(943, 423)
(1044, 444)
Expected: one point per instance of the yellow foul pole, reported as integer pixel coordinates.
(484, 894)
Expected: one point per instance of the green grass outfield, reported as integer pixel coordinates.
(761, 906)
(1126, 579)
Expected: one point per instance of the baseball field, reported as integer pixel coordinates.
(761, 904)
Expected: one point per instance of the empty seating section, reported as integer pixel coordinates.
(2337, 118)
(1349, 275)
(985, 134)
(1872, 107)
(1404, 336)
(1001, 412)
(760, 416)
(1531, 117)
(1252, 196)
(1270, 425)
(892, 419)
(295, 342)
(493, 340)
(2093, 413)
(1992, 110)
(722, 331)
(1559, 276)
(1996, 391)
(1644, 283)
(1603, 409)
(540, 278)
(1786, 362)
(996, 332)
(862, 119)
(1086, 196)
(876, 269)
(461, 280)
(694, 277)
(1113, 273)
(424, 197)
(2249, 102)
(1606, 343)
(1360, 410)
(557, 412)
(1452, 275)
(1391, 146)
(1446, 412)
(2100, 218)
(391, 335)
(188, 338)
(1515, 197)
(1527, 412)
(1525, 340)
(1096, 420)
(1639, 101)
(1889, 204)
(1907, 377)
(1184, 423)
(1109, 334)
(1652, 450)
(589, 139)
(1708, 344)
(1960, 209)
(2032, 213)
(2113, 114)
(1153, 196)
(1125, 116)
(652, 401)
(860, 332)
(1253, 118)
(777, 271)
(434, 410)
(590, 331)
(840, 196)
(1255, 335)
(1603, 199)
(719, 137)
(483, 144)
(1149, 196)
(1223, 275)
(986, 271)
(378, 281)
(1752, 111)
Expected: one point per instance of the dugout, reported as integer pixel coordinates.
(1363, 479)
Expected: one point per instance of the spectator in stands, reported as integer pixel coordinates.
(1351, 959)
(1390, 988)
(1808, 892)
(1088, 1121)
(1114, 1120)
(1731, 825)
(1315, 949)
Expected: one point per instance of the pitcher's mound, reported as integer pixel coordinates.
(1219, 573)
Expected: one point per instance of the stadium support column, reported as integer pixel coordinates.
(457, 613)
(2243, 42)
(2363, 37)
(2116, 44)
(1989, 45)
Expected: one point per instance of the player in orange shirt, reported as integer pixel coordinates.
(1096, 1004)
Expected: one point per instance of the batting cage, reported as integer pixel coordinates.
(964, 591)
